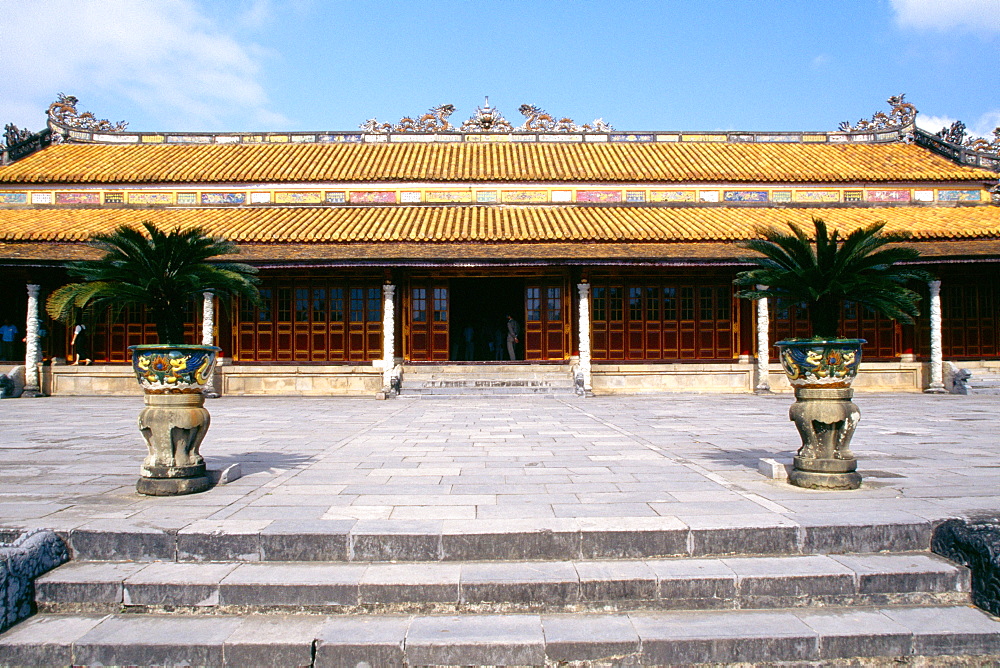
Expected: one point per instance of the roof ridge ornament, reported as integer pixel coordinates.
(956, 135)
(435, 120)
(486, 119)
(901, 113)
(537, 120)
(63, 113)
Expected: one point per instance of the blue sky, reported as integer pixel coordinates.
(672, 64)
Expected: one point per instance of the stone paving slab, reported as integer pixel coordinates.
(424, 472)
(640, 638)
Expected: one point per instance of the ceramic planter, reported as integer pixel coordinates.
(821, 371)
(820, 363)
(174, 421)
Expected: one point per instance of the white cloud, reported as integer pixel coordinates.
(167, 56)
(972, 15)
(986, 124)
(982, 127)
(934, 123)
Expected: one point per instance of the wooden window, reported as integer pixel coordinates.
(309, 320)
(970, 321)
(650, 319)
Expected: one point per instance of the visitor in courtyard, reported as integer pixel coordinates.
(79, 343)
(8, 335)
(513, 332)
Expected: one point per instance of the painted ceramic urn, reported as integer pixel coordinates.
(173, 368)
(820, 363)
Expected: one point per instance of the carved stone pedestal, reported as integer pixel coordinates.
(173, 426)
(826, 419)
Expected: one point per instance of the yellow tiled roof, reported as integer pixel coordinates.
(493, 223)
(471, 162)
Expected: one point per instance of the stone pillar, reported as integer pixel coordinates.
(584, 378)
(208, 338)
(33, 350)
(388, 333)
(937, 358)
(763, 348)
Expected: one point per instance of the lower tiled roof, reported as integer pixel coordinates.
(338, 225)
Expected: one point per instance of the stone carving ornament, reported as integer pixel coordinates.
(956, 135)
(485, 119)
(900, 114)
(63, 112)
(15, 135)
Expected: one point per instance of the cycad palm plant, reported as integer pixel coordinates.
(826, 271)
(160, 271)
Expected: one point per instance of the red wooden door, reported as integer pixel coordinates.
(546, 321)
(427, 320)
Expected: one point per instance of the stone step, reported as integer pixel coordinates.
(551, 586)
(564, 539)
(486, 387)
(887, 636)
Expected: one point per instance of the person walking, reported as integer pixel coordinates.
(513, 332)
(81, 351)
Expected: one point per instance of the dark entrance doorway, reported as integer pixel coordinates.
(479, 308)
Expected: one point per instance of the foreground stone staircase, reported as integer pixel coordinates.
(477, 379)
(597, 594)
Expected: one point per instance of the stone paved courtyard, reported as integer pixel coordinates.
(70, 462)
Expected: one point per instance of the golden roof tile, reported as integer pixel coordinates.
(519, 224)
(489, 162)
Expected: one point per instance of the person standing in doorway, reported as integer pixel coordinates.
(513, 332)
(8, 334)
(81, 351)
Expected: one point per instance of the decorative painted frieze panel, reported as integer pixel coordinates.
(13, 198)
(524, 196)
(448, 197)
(745, 196)
(959, 195)
(299, 197)
(150, 198)
(78, 198)
(673, 196)
(599, 196)
(223, 198)
(816, 196)
(373, 197)
(888, 195)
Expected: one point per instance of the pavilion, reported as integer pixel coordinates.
(380, 248)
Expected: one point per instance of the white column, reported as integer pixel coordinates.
(33, 351)
(937, 358)
(208, 338)
(763, 347)
(388, 332)
(208, 319)
(585, 369)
